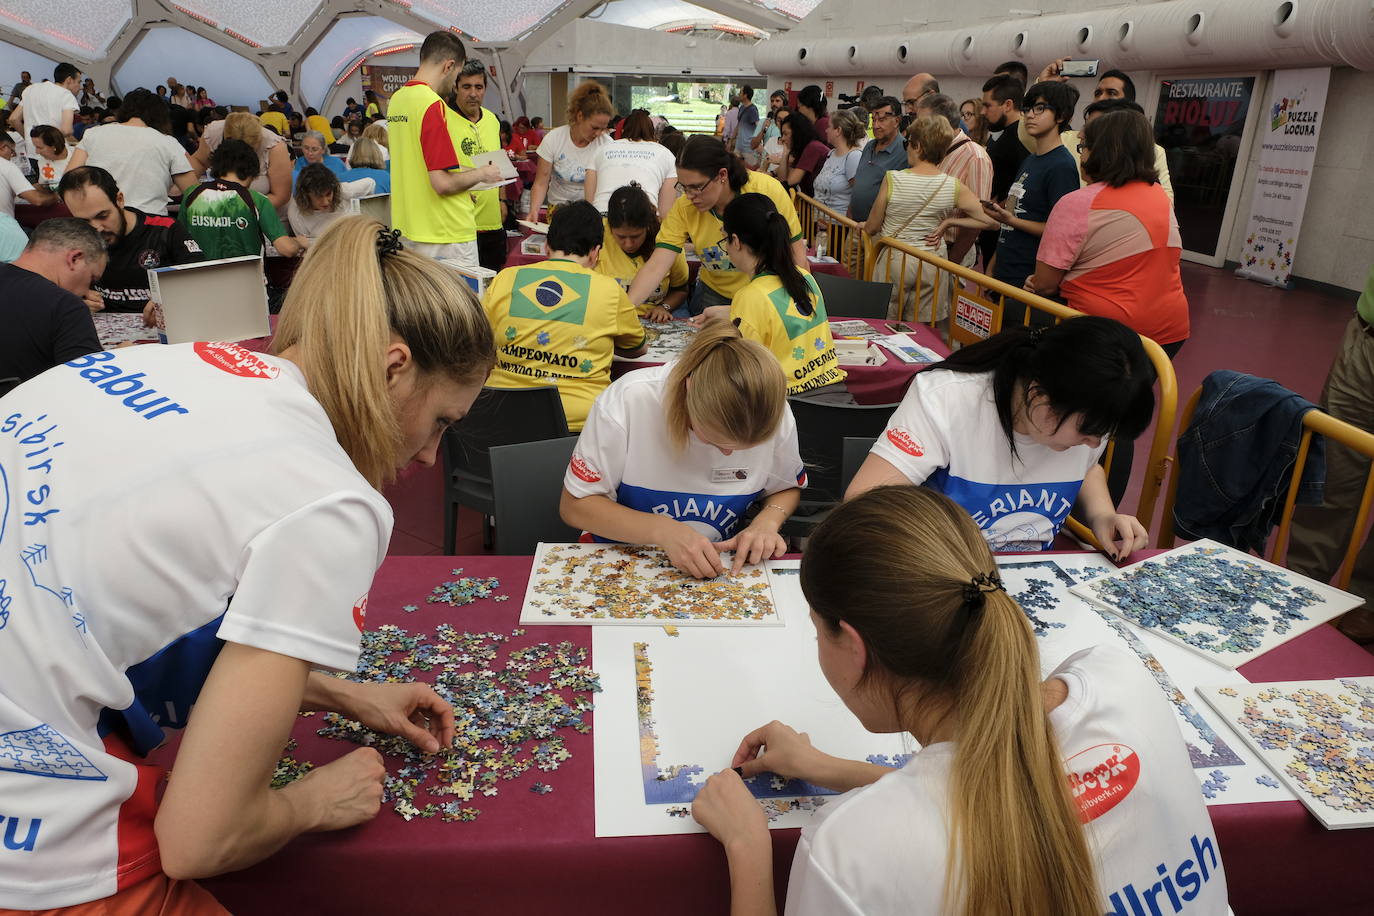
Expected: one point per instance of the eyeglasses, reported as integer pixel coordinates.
(1038, 108)
(1081, 148)
(691, 190)
(884, 117)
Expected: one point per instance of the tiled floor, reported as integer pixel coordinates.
(1289, 336)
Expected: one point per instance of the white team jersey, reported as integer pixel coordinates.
(946, 434)
(881, 850)
(624, 453)
(154, 501)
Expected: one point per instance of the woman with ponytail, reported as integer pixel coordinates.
(1071, 796)
(631, 230)
(1011, 429)
(678, 455)
(709, 176)
(781, 308)
(567, 152)
(247, 525)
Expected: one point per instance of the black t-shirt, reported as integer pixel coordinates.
(44, 325)
(1007, 153)
(152, 241)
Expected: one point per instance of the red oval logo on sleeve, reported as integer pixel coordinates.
(360, 612)
(582, 470)
(235, 360)
(1101, 777)
(903, 440)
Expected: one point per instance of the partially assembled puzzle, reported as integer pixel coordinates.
(626, 584)
(1317, 736)
(665, 341)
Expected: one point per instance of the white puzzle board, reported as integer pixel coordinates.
(1227, 771)
(1317, 736)
(632, 584)
(1217, 601)
(711, 686)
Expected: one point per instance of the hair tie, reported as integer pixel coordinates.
(388, 242)
(980, 585)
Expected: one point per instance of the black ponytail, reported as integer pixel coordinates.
(631, 207)
(763, 230)
(1092, 366)
(708, 156)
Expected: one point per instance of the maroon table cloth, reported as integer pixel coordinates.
(529, 853)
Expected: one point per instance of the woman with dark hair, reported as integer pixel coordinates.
(139, 153)
(806, 154)
(53, 154)
(781, 307)
(520, 139)
(635, 159)
(917, 636)
(1013, 427)
(318, 200)
(1113, 247)
(811, 103)
(631, 231)
(709, 176)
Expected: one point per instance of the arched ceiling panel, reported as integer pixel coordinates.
(340, 47)
(84, 29)
(172, 51)
(652, 14)
(264, 22)
(490, 21)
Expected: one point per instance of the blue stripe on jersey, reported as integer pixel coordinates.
(165, 687)
(1013, 516)
(721, 511)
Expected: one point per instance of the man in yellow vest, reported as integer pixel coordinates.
(482, 134)
(431, 192)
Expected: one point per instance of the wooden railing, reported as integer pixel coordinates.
(846, 241)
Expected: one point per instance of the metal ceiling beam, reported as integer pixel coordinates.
(750, 14)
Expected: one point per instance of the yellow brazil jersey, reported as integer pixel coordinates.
(703, 228)
(317, 122)
(763, 311)
(424, 136)
(622, 268)
(482, 137)
(277, 121)
(558, 323)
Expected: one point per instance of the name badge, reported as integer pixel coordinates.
(726, 475)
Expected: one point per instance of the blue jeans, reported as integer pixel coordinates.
(702, 298)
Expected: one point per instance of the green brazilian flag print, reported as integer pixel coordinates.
(797, 325)
(550, 295)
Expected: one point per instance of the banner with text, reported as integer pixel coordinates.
(1288, 130)
(385, 80)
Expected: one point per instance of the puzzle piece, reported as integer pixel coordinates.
(43, 751)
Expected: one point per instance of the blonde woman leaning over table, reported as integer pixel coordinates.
(249, 477)
(917, 636)
(916, 206)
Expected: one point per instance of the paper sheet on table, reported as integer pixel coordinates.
(908, 350)
(499, 159)
(854, 327)
(541, 228)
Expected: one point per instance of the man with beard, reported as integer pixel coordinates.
(1002, 109)
(136, 241)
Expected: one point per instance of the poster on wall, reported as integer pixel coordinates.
(1288, 129)
(1200, 123)
(385, 80)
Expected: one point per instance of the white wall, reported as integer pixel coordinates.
(14, 59)
(172, 51)
(598, 47)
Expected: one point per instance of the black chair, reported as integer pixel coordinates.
(821, 433)
(7, 385)
(499, 416)
(849, 298)
(526, 484)
(856, 449)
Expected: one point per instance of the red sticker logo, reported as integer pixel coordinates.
(1101, 777)
(902, 439)
(235, 360)
(583, 471)
(360, 612)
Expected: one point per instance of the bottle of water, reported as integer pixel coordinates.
(822, 243)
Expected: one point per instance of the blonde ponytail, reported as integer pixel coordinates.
(346, 306)
(725, 384)
(899, 564)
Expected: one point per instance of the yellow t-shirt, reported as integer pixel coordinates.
(318, 122)
(277, 120)
(482, 137)
(424, 136)
(802, 343)
(703, 228)
(558, 323)
(622, 268)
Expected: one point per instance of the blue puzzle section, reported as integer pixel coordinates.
(42, 751)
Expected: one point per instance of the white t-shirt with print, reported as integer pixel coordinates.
(621, 162)
(141, 159)
(44, 103)
(946, 434)
(12, 183)
(155, 501)
(624, 454)
(568, 164)
(882, 850)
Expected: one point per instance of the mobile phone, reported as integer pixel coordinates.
(988, 203)
(900, 327)
(1078, 68)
